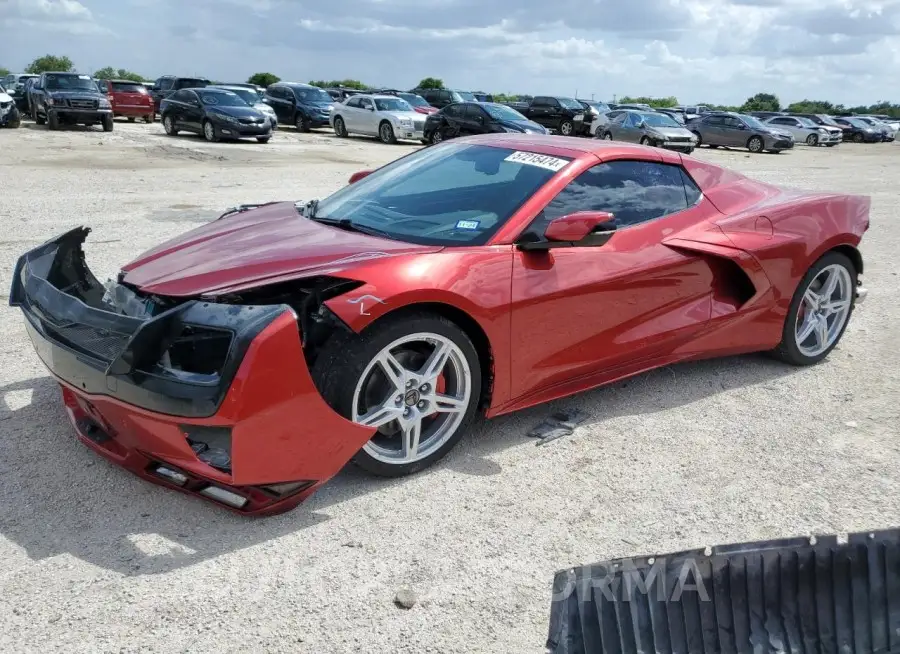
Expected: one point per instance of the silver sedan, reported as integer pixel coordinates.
(806, 131)
(385, 116)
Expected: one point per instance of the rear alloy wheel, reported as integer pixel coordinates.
(755, 144)
(416, 379)
(608, 136)
(339, 128)
(820, 311)
(812, 140)
(858, 138)
(301, 123)
(646, 141)
(386, 133)
(436, 136)
(209, 132)
(169, 125)
(566, 128)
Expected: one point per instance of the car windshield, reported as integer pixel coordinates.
(466, 96)
(659, 120)
(70, 83)
(128, 87)
(221, 99)
(248, 96)
(314, 96)
(570, 103)
(806, 122)
(828, 120)
(392, 104)
(457, 194)
(413, 99)
(752, 121)
(502, 112)
(599, 106)
(856, 122)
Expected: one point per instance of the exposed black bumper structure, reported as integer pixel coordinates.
(822, 595)
(172, 358)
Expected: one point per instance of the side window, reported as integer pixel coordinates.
(633, 191)
(453, 111)
(474, 112)
(692, 192)
(540, 101)
(354, 102)
(631, 120)
(366, 103)
(444, 96)
(553, 103)
(733, 123)
(618, 118)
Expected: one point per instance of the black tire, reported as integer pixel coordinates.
(830, 145)
(169, 125)
(607, 136)
(209, 132)
(38, 119)
(699, 138)
(130, 119)
(149, 118)
(52, 121)
(755, 144)
(567, 128)
(812, 140)
(858, 138)
(645, 140)
(301, 123)
(263, 139)
(689, 151)
(340, 129)
(437, 136)
(108, 123)
(787, 350)
(344, 358)
(386, 133)
(15, 119)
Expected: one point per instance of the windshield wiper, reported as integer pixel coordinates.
(350, 226)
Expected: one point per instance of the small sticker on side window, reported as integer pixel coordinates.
(467, 224)
(539, 160)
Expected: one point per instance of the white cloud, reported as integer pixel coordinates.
(697, 50)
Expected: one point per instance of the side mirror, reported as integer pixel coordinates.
(479, 119)
(641, 125)
(370, 108)
(358, 175)
(579, 229)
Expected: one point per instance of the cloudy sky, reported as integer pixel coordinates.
(719, 51)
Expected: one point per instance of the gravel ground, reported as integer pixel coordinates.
(95, 560)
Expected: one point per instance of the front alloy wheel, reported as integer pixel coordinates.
(414, 379)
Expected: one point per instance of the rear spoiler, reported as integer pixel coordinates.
(818, 595)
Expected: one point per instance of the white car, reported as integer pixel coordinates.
(603, 119)
(888, 131)
(9, 115)
(385, 116)
(806, 131)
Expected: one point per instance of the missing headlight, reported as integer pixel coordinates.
(198, 350)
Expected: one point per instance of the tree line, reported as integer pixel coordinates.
(758, 102)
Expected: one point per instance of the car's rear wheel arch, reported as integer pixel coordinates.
(853, 254)
(469, 326)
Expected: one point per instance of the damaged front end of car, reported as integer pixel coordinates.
(193, 393)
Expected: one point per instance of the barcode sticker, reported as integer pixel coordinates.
(539, 160)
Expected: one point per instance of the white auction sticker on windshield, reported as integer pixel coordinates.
(539, 160)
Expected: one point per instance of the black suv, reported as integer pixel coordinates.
(301, 105)
(440, 98)
(69, 99)
(166, 85)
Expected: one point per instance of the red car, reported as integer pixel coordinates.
(128, 99)
(248, 360)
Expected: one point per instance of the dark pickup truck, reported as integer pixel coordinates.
(565, 115)
(69, 99)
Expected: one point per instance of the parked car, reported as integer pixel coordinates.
(301, 105)
(603, 119)
(440, 98)
(468, 118)
(806, 131)
(59, 98)
(826, 121)
(592, 109)
(339, 94)
(129, 99)
(858, 131)
(417, 102)
(559, 113)
(892, 122)
(887, 132)
(14, 82)
(250, 359)
(693, 111)
(650, 128)
(729, 129)
(9, 112)
(385, 116)
(216, 114)
(677, 114)
(22, 97)
(248, 94)
(166, 85)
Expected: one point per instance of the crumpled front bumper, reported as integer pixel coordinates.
(261, 405)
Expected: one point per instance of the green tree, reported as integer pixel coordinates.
(112, 73)
(4, 71)
(671, 101)
(263, 79)
(50, 63)
(762, 102)
(346, 83)
(431, 83)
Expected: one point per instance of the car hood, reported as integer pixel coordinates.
(249, 248)
(522, 125)
(73, 94)
(671, 132)
(235, 112)
(397, 115)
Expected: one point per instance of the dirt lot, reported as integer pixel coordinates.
(94, 560)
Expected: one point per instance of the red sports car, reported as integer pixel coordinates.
(250, 359)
